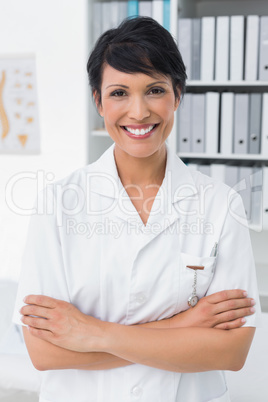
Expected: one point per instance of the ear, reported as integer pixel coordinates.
(177, 99)
(177, 102)
(97, 100)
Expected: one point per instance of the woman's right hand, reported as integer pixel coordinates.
(223, 310)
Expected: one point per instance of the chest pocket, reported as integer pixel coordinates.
(203, 278)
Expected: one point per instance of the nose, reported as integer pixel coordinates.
(138, 109)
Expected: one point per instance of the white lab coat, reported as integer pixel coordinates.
(91, 248)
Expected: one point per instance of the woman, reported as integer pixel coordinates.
(130, 242)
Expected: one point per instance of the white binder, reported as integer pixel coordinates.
(196, 48)
(97, 21)
(264, 129)
(252, 48)
(207, 48)
(205, 169)
(184, 123)
(193, 166)
(212, 122)
(185, 43)
(231, 175)
(265, 198)
(254, 123)
(145, 8)
(122, 12)
(198, 123)
(256, 196)
(158, 11)
(237, 48)
(244, 188)
(263, 64)
(222, 48)
(114, 16)
(217, 171)
(106, 15)
(227, 123)
(241, 123)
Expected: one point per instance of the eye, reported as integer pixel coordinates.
(156, 91)
(118, 93)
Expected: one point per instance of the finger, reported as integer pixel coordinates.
(41, 300)
(233, 315)
(226, 295)
(239, 322)
(35, 322)
(32, 309)
(41, 334)
(233, 304)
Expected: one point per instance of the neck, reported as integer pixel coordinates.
(141, 171)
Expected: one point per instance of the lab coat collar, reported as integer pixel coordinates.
(178, 182)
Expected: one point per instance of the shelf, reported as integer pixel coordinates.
(100, 133)
(219, 157)
(262, 279)
(216, 84)
(255, 228)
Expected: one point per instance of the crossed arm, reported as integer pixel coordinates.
(61, 337)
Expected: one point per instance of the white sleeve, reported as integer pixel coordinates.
(42, 270)
(235, 267)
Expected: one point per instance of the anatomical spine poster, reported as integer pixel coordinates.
(19, 125)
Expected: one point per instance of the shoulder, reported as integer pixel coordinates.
(73, 190)
(217, 189)
(217, 199)
(79, 179)
(68, 193)
(75, 178)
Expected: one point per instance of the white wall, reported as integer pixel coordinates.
(57, 32)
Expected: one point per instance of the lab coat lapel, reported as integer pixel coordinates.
(178, 185)
(104, 180)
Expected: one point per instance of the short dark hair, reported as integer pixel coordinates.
(137, 45)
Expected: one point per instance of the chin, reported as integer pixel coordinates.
(141, 150)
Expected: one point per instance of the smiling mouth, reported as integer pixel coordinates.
(141, 131)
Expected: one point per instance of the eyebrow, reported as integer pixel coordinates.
(116, 85)
(157, 82)
(147, 86)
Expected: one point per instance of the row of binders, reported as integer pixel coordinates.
(250, 182)
(225, 123)
(109, 14)
(225, 48)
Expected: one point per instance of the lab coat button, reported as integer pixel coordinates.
(141, 298)
(136, 391)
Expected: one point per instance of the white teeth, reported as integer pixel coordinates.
(141, 131)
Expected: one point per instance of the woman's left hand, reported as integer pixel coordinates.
(61, 323)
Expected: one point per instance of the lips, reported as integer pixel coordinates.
(142, 130)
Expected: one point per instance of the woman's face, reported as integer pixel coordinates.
(138, 110)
